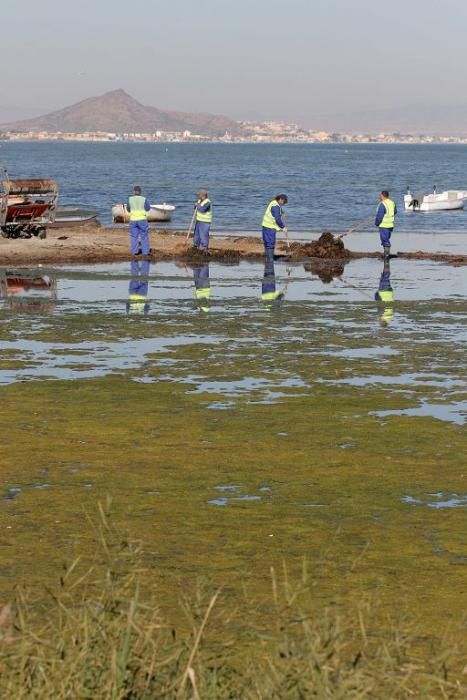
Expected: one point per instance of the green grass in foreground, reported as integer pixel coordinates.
(101, 634)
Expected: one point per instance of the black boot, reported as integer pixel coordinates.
(386, 252)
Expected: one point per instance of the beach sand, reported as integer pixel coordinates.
(96, 244)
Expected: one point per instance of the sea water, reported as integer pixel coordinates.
(329, 186)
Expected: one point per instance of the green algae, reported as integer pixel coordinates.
(231, 443)
(163, 456)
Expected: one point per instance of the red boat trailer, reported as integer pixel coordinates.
(27, 207)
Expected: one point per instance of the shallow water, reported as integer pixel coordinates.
(234, 432)
(86, 329)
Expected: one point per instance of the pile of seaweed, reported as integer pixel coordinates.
(327, 246)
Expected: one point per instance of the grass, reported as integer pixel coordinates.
(99, 633)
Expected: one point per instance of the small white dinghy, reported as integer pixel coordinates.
(158, 212)
(442, 201)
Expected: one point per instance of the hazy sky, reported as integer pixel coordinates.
(278, 59)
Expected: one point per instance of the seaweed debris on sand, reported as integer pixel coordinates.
(327, 246)
(92, 244)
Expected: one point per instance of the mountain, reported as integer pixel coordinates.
(434, 120)
(118, 112)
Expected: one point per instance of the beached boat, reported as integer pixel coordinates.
(442, 201)
(158, 212)
(73, 216)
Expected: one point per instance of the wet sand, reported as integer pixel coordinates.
(96, 244)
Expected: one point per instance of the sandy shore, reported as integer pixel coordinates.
(96, 244)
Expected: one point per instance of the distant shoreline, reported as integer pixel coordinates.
(373, 141)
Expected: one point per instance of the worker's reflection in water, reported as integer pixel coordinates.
(202, 287)
(270, 297)
(137, 303)
(385, 295)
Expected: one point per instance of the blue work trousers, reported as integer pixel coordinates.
(139, 237)
(201, 235)
(269, 241)
(385, 236)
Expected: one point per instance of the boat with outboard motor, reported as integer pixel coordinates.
(437, 201)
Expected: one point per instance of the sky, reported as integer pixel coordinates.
(248, 59)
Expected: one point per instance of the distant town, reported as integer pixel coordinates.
(116, 116)
(252, 132)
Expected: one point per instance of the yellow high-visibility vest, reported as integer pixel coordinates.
(270, 296)
(386, 295)
(205, 217)
(137, 304)
(390, 215)
(268, 219)
(137, 210)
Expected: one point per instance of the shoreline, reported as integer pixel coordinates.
(98, 244)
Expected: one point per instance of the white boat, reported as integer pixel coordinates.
(158, 212)
(442, 201)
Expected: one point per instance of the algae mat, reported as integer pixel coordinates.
(234, 440)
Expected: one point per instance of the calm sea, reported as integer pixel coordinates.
(329, 187)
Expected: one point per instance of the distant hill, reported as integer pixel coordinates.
(118, 112)
(433, 120)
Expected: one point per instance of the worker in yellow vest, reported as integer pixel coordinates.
(272, 223)
(138, 206)
(385, 217)
(203, 221)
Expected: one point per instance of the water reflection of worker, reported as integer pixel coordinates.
(202, 287)
(137, 303)
(385, 294)
(269, 294)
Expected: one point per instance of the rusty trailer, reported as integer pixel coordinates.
(27, 207)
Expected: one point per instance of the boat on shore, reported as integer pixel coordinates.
(158, 212)
(65, 217)
(437, 201)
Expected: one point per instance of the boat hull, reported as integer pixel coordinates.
(67, 217)
(444, 201)
(158, 212)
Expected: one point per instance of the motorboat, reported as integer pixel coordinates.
(158, 212)
(437, 201)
